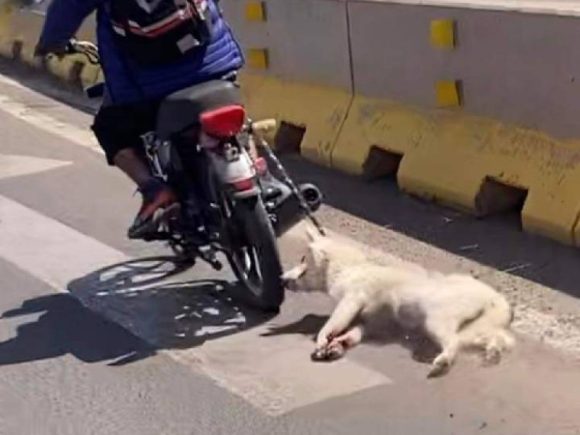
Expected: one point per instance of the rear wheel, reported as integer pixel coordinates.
(254, 256)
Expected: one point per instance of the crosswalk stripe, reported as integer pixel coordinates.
(272, 373)
(14, 166)
(76, 135)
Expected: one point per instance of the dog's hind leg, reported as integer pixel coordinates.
(490, 332)
(499, 342)
(444, 333)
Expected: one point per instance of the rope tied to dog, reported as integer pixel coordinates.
(286, 178)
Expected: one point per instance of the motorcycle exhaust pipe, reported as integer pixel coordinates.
(287, 210)
(312, 195)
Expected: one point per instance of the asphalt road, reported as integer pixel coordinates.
(100, 335)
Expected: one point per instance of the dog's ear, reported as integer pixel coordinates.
(319, 254)
(312, 234)
(294, 273)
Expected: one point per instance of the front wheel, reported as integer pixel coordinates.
(254, 257)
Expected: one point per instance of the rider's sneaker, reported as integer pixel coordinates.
(158, 200)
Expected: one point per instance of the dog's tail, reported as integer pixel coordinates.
(490, 330)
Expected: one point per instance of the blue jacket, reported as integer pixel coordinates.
(127, 82)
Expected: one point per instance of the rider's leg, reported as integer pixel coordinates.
(119, 131)
(156, 194)
(129, 161)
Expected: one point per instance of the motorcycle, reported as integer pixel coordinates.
(217, 161)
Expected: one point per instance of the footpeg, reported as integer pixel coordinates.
(208, 254)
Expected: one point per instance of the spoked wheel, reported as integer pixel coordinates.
(254, 257)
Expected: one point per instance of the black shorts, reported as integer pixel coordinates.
(121, 126)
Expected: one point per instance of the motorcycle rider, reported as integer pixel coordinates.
(149, 49)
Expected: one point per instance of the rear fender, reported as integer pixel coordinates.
(235, 172)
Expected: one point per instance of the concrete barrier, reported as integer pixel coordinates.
(307, 80)
(470, 103)
(506, 73)
(517, 124)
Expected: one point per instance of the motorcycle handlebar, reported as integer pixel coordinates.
(91, 52)
(86, 48)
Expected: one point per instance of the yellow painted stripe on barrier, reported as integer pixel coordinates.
(442, 34)
(321, 110)
(255, 11)
(447, 93)
(257, 58)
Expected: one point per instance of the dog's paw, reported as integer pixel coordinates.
(492, 356)
(440, 366)
(328, 353)
(319, 355)
(323, 341)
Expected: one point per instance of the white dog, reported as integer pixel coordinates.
(455, 311)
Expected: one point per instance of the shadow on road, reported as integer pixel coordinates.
(65, 326)
(125, 312)
(497, 241)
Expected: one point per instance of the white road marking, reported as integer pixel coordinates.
(14, 166)
(48, 249)
(76, 135)
(274, 374)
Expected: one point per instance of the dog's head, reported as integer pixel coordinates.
(310, 274)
